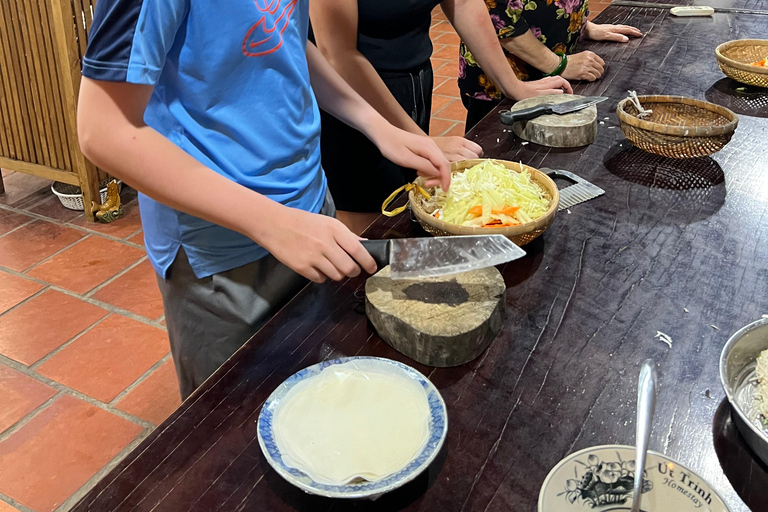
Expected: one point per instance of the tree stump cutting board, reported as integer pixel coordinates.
(566, 131)
(437, 321)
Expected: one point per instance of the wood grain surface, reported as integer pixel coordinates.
(583, 310)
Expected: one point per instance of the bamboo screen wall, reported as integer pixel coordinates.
(41, 46)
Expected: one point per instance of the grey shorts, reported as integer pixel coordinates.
(208, 319)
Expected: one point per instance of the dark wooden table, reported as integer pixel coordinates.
(582, 311)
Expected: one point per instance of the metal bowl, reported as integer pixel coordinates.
(737, 370)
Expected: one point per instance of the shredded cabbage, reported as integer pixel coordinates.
(507, 198)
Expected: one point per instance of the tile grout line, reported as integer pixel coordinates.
(133, 235)
(34, 366)
(31, 297)
(7, 499)
(72, 392)
(5, 434)
(76, 496)
(30, 221)
(68, 225)
(47, 258)
(139, 380)
(98, 288)
(89, 300)
(449, 129)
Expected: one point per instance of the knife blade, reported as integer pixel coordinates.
(414, 258)
(512, 116)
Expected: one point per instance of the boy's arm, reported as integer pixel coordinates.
(114, 136)
(335, 25)
(338, 98)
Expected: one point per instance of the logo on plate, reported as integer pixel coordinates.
(602, 483)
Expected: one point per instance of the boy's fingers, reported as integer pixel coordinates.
(342, 261)
(329, 269)
(355, 249)
(314, 275)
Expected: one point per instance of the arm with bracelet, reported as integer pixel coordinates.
(557, 24)
(578, 66)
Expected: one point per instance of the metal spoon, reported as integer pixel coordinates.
(646, 406)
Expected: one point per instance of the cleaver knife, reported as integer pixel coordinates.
(414, 258)
(513, 116)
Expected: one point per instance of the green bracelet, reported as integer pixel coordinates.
(560, 67)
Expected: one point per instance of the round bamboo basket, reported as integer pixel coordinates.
(734, 58)
(678, 127)
(520, 235)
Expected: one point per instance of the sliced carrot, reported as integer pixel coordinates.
(507, 210)
(476, 210)
(437, 214)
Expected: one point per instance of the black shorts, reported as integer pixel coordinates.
(476, 110)
(359, 177)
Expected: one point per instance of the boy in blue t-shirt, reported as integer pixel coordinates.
(210, 110)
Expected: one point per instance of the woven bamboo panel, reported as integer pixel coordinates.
(42, 43)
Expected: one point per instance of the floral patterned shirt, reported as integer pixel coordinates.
(556, 23)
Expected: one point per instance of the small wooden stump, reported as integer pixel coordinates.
(566, 131)
(437, 321)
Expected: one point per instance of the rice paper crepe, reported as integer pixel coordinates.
(352, 421)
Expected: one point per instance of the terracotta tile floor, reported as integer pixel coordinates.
(85, 369)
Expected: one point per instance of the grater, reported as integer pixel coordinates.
(579, 191)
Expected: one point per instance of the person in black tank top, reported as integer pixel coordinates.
(382, 49)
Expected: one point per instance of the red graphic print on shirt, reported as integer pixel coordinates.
(266, 36)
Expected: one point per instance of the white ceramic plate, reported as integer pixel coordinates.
(601, 478)
(438, 427)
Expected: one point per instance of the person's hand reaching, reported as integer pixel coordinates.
(548, 85)
(411, 151)
(617, 33)
(584, 66)
(458, 148)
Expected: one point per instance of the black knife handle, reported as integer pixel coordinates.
(379, 249)
(511, 117)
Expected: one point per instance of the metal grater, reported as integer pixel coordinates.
(581, 190)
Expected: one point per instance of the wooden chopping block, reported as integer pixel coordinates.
(566, 131)
(437, 321)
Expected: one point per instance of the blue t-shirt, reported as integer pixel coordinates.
(232, 90)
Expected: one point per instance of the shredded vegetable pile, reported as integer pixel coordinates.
(761, 63)
(489, 195)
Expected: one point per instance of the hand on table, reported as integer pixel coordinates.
(457, 148)
(548, 85)
(417, 152)
(618, 33)
(316, 246)
(584, 66)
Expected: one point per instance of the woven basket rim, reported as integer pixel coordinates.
(681, 131)
(511, 231)
(758, 70)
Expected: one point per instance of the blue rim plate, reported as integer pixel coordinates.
(438, 427)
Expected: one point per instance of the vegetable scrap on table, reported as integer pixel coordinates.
(664, 338)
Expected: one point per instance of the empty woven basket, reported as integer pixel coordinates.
(734, 58)
(678, 127)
